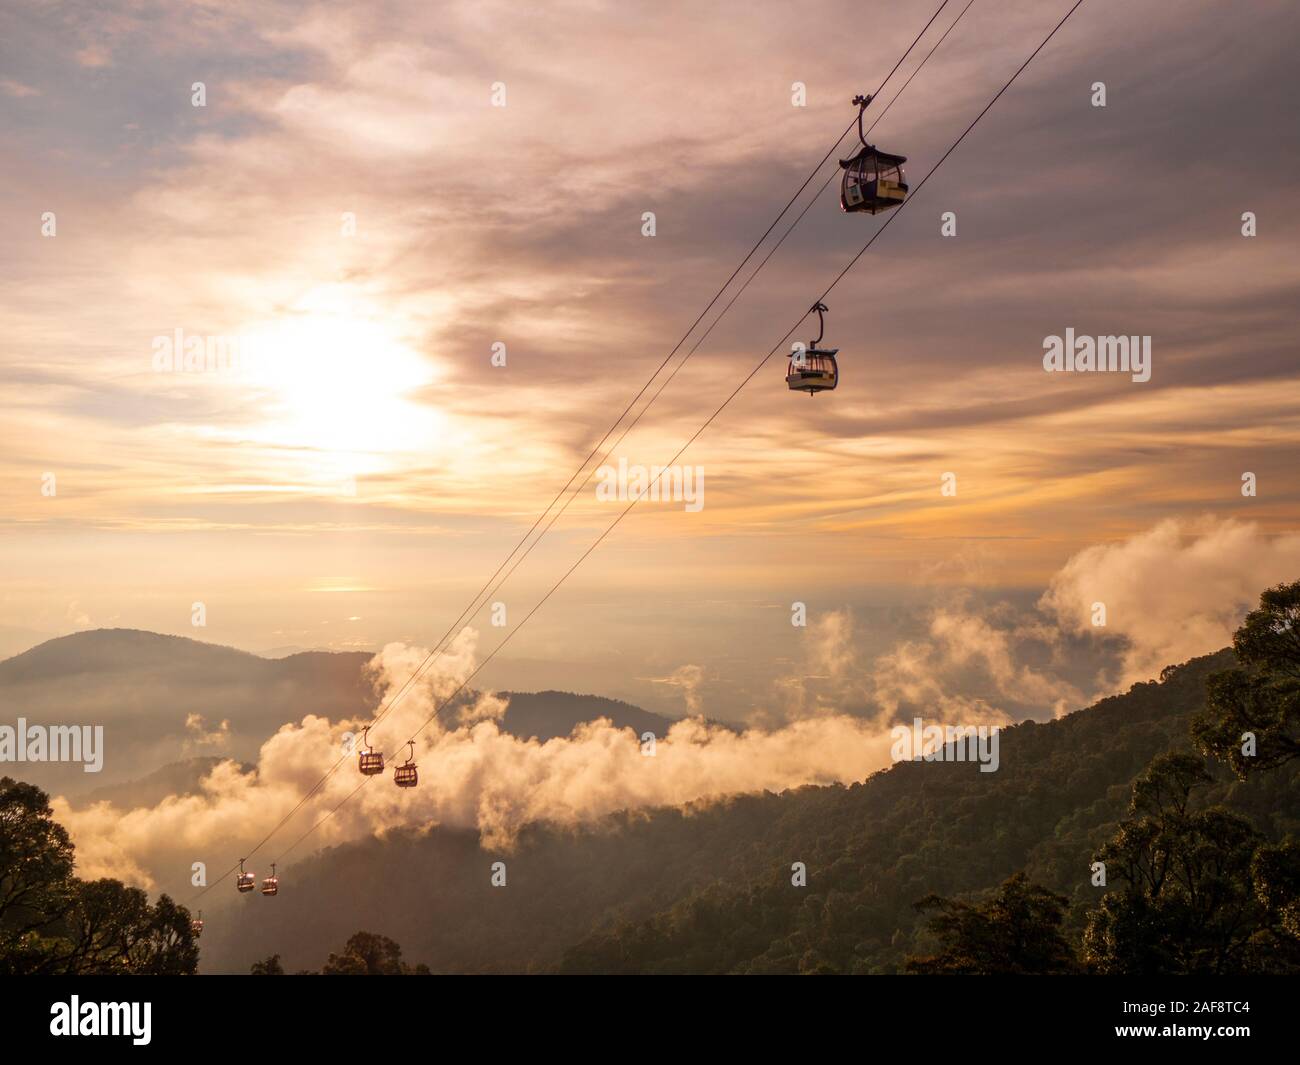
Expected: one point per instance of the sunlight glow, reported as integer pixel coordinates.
(337, 378)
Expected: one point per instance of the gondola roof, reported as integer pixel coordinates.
(884, 159)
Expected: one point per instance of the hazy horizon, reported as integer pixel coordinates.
(225, 220)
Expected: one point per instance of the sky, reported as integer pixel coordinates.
(353, 205)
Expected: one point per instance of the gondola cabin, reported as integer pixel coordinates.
(813, 370)
(405, 776)
(370, 761)
(271, 884)
(196, 925)
(245, 881)
(873, 181)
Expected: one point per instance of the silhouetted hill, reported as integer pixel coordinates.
(143, 687)
(179, 778)
(548, 714)
(709, 889)
(111, 650)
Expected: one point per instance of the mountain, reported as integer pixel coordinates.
(143, 688)
(14, 639)
(178, 778)
(709, 889)
(548, 714)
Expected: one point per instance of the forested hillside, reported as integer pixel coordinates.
(709, 890)
(874, 850)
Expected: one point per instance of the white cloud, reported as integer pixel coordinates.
(1173, 592)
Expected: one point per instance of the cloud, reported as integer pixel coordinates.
(829, 680)
(687, 679)
(968, 666)
(17, 89)
(94, 56)
(472, 776)
(76, 617)
(1172, 592)
(970, 651)
(199, 738)
(911, 678)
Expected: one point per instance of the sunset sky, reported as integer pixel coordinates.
(358, 484)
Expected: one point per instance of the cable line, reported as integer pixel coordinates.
(725, 403)
(475, 605)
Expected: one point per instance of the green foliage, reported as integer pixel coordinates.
(1016, 932)
(1269, 638)
(708, 888)
(1263, 699)
(933, 829)
(1189, 902)
(35, 874)
(53, 923)
(1275, 872)
(367, 954)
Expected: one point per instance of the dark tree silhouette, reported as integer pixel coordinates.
(270, 967)
(368, 954)
(36, 885)
(1276, 874)
(1015, 932)
(1189, 900)
(53, 923)
(1262, 699)
(111, 928)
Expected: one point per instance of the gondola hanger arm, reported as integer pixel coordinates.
(821, 310)
(862, 102)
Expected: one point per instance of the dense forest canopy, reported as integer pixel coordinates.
(1154, 832)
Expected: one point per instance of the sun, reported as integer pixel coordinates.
(335, 378)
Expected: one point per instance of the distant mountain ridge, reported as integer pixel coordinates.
(548, 714)
(143, 687)
(178, 778)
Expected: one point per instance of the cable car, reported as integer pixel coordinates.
(196, 925)
(244, 881)
(405, 776)
(370, 761)
(271, 884)
(873, 180)
(813, 369)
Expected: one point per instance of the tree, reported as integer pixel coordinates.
(1016, 932)
(368, 954)
(165, 945)
(53, 923)
(36, 883)
(270, 967)
(1261, 700)
(1275, 871)
(1191, 897)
